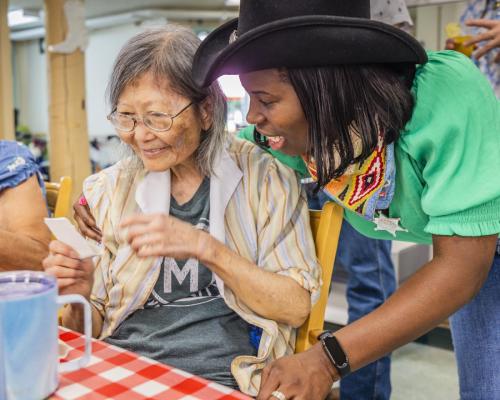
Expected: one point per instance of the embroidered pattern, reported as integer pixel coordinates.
(365, 187)
(367, 182)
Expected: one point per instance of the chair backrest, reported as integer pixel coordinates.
(58, 196)
(325, 225)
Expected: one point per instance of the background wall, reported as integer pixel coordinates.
(30, 77)
(30, 85)
(104, 46)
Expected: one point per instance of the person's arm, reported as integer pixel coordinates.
(268, 294)
(451, 279)
(491, 37)
(24, 238)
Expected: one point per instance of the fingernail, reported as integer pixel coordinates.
(82, 201)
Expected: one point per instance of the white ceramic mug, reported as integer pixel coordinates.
(29, 361)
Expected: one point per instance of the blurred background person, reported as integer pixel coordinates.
(481, 20)
(392, 12)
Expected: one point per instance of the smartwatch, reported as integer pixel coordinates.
(335, 353)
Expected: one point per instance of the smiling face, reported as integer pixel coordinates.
(160, 151)
(276, 110)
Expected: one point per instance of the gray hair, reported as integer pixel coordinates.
(167, 53)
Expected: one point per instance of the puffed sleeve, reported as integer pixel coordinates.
(453, 144)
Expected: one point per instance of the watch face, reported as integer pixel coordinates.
(335, 350)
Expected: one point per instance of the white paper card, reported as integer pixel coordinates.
(64, 231)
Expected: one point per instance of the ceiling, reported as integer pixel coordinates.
(102, 13)
(97, 8)
(195, 10)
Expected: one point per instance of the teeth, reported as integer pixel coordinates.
(153, 150)
(275, 139)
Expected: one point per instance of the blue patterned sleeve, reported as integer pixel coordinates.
(17, 165)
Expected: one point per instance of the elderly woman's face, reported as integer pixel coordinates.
(276, 111)
(160, 151)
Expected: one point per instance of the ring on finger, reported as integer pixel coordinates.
(279, 395)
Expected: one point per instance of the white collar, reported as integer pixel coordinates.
(153, 192)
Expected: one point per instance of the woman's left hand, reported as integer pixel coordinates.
(305, 376)
(161, 235)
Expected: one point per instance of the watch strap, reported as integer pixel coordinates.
(335, 353)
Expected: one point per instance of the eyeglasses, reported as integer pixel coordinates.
(156, 121)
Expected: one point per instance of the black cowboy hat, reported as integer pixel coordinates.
(301, 33)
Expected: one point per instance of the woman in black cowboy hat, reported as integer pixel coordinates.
(408, 143)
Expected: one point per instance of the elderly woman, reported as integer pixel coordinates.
(24, 238)
(206, 239)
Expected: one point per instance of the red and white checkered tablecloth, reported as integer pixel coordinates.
(117, 374)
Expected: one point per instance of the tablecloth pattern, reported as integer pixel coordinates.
(114, 373)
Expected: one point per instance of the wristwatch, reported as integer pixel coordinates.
(335, 353)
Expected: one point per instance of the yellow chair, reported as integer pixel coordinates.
(59, 196)
(325, 225)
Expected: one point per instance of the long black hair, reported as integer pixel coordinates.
(335, 99)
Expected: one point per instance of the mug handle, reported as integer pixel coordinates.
(83, 360)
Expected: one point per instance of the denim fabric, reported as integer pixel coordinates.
(371, 281)
(475, 330)
(17, 165)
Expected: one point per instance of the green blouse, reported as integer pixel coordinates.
(447, 157)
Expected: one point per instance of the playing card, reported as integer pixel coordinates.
(64, 231)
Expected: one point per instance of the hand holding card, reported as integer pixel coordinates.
(64, 231)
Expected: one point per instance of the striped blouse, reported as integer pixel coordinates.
(257, 208)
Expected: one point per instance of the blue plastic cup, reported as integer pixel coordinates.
(29, 360)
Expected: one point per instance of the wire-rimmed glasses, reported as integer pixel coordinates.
(156, 121)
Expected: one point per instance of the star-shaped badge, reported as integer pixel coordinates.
(390, 225)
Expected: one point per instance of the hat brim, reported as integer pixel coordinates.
(307, 41)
